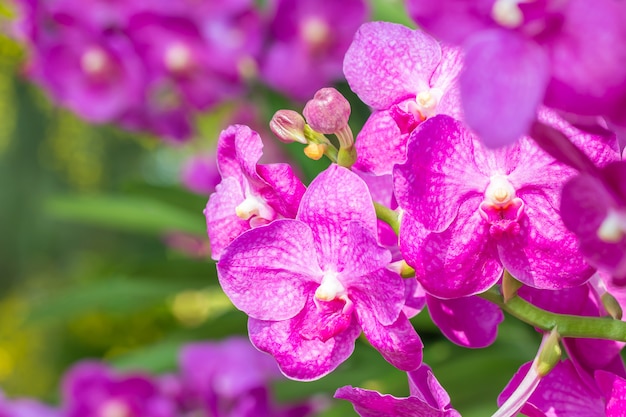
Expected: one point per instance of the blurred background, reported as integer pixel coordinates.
(103, 249)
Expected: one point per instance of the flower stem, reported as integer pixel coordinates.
(568, 325)
(389, 216)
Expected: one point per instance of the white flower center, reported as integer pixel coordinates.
(507, 13)
(94, 61)
(314, 31)
(427, 102)
(330, 288)
(613, 227)
(500, 192)
(178, 58)
(255, 207)
(114, 408)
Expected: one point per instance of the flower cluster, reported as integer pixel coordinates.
(524, 211)
(223, 379)
(153, 65)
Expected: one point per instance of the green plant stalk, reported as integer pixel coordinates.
(568, 325)
(389, 216)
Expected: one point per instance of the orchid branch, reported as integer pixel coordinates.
(568, 325)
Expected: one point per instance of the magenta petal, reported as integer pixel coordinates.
(334, 199)
(468, 322)
(388, 62)
(440, 172)
(584, 206)
(382, 293)
(502, 85)
(424, 385)
(380, 144)
(300, 358)
(545, 254)
(590, 355)
(458, 262)
(614, 389)
(560, 393)
(239, 149)
(373, 404)
(223, 225)
(398, 343)
(265, 271)
(285, 189)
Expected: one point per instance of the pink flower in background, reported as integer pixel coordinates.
(249, 194)
(406, 76)
(91, 389)
(230, 378)
(24, 407)
(96, 75)
(566, 54)
(308, 39)
(199, 174)
(148, 66)
(311, 285)
(470, 212)
(427, 399)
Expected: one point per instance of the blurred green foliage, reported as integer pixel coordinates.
(85, 270)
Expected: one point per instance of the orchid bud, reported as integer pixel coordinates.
(288, 126)
(328, 111)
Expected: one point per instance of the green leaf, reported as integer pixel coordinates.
(118, 295)
(135, 214)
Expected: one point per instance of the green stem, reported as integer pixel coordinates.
(568, 326)
(389, 216)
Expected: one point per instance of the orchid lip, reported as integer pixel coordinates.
(331, 289)
(427, 102)
(254, 207)
(500, 192)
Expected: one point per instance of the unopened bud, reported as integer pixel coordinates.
(315, 151)
(549, 353)
(288, 126)
(509, 286)
(611, 306)
(328, 111)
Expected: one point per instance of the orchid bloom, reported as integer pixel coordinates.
(311, 284)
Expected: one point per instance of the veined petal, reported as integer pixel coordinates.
(380, 144)
(562, 393)
(502, 85)
(369, 403)
(468, 321)
(334, 199)
(382, 292)
(398, 343)
(284, 190)
(458, 262)
(440, 172)
(239, 149)
(614, 390)
(299, 358)
(267, 271)
(223, 224)
(544, 254)
(388, 62)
